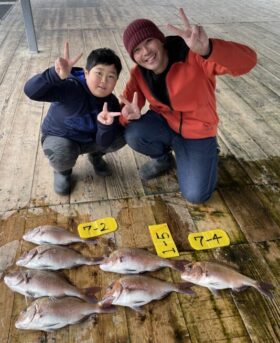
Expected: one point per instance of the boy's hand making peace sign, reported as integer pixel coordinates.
(63, 65)
(106, 117)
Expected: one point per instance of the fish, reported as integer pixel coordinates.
(215, 276)
(49, 314)
(48, 234)
(41, 283)
(135, 291)
(54, 257)
(135, 261)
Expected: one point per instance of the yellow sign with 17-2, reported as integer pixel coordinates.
(163, 241)
(97, 227)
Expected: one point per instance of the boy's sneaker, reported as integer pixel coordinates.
(156, 167)
(100, 166)
(62, 182)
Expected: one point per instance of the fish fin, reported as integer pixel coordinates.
(179, 265)
(27, 276)
(53, 299)
(265, 288)
(35, 252)
(214, 291)
(184, 287)
(89, 294)
(30, 295)
(240, 289)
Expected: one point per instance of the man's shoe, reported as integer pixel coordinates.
(62, 182)
(100, 166)
(156, 167)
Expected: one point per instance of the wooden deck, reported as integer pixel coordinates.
(246, 203)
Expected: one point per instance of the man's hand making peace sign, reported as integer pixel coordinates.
(63, 65)
(194, 36)
(131, 111)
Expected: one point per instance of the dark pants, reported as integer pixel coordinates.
(196, 159)
(63, 153)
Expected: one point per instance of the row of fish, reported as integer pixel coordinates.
(133, 291)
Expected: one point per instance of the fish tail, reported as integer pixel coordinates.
(265, 288)
(89, 294)
(179, 265)
(185, 288)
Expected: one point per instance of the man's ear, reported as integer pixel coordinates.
(86, 72)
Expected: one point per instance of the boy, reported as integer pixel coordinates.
(81, 117)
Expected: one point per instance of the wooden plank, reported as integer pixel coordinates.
(252, 216)
(17, 189)
(270, 252)
(230, 172)
(237, 109)
(263, 80)
(270, 198)
(249, 154)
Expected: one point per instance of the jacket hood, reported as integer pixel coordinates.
(78, 74)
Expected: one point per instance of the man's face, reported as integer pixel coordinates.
(101, 79)
(151, 54)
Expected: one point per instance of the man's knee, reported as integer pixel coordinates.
(133, 134)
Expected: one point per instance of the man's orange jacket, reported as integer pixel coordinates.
(191, 87)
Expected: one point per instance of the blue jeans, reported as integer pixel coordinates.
(196, 159)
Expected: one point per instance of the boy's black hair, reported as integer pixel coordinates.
(103, 56)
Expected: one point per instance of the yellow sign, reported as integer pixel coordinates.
(97, 228)
(163, 241)
(209, 239)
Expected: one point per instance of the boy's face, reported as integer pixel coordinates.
(101, 79)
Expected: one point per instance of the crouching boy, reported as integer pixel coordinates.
(83, 116)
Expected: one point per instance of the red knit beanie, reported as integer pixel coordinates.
(139, 30)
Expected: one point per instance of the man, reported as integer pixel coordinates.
(176, 75)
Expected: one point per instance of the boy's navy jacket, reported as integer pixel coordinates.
(73, 109)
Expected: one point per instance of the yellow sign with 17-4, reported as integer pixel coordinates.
(209, 239)
(97, 228)
(163, 241)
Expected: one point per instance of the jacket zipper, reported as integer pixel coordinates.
(181, 123)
